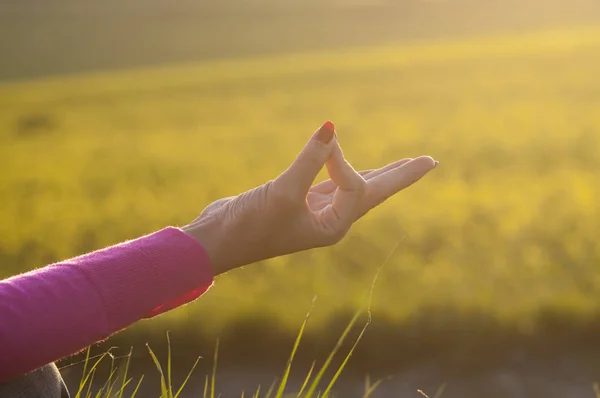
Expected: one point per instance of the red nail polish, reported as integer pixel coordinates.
(329, 125)
(325, 132)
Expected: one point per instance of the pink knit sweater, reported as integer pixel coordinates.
(58, 310)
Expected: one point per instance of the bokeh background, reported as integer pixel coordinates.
(119, 118)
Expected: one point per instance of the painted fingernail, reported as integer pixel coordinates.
(326, 132)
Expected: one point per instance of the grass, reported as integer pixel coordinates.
(310, 387)
(506, 228)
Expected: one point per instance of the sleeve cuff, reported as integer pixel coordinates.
(147, 276)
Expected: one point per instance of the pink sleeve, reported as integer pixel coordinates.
(58, 310)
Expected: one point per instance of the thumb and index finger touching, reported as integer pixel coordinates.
(353, 191)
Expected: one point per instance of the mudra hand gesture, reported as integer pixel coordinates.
(92, 296)
(289, 214)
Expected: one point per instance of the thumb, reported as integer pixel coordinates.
(299, 177)
(351, 186)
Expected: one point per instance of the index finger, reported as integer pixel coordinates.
(385, 185)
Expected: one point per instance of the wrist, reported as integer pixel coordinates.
(207, 233)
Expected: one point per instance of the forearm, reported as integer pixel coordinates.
(60, 309)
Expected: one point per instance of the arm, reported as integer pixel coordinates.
(60, 309)
(55, 311)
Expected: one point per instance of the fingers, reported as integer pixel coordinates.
(329, 186)
(351, 187)
(298, 178)
(388, 167)
(389, 183)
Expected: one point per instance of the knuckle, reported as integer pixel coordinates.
(355, 183)
(237, 209)
(216, 206)
(360, 185)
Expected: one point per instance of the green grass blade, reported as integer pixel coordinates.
(306, 379)
(109, 381)
(125, 381)
(345, 362)
(169, 380)
(206, 387)
(106, 385)
(288, 367)
(85, 380)
(188, 377)
(163, 386)
(372, 388)
(214, 373)
(85, 363)
(362, 332)
(271, 389)
(257, 393)
(137, 387)
(88, 393)
(112, 386)
(315, 383)
(440, 391)
(123, 386)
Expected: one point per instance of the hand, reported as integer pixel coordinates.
(288, 214)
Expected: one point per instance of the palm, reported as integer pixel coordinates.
(317, 201)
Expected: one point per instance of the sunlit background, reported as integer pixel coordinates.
(119, 118)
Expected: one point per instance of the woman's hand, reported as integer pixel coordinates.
(288, 214)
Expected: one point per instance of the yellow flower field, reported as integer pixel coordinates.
(507, 225)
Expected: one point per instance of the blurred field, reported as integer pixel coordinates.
(505, 229)
(40, 38)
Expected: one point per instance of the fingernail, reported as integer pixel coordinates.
(436, 163)
(326, 132)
